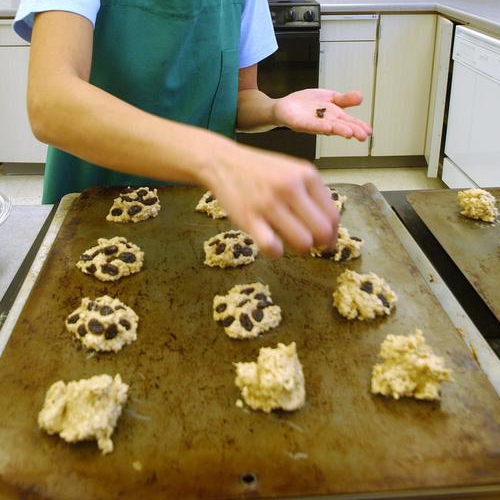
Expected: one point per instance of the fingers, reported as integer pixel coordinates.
(277, 199)
(302, 218)
(360, 123)
(295, 233)
(305, 215)
(347, 99)
(265, 237)
(348, 126)
(318, 220)
(321, 194)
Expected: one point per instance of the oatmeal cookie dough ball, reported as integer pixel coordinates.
(246, 311)
(111, 259)
(135, 205)
(478, 204)
(410, 368)
(337, 198)
(347, 247)
(210, 205)
(84, 409)
(275, 381)
(230, 249)
(103, 324)
(363, 296)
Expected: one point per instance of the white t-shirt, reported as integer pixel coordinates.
(257, 40)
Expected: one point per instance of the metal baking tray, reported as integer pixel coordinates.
(473, 245)
(181, 424)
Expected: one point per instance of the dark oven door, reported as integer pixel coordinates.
(294, 66)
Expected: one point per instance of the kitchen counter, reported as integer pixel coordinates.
(481, 14)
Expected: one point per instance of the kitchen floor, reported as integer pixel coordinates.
(27, 189)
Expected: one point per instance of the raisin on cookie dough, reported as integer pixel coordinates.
(103, 324)
(84, 409)
(209, 205)
(347, 247)
(478, 204)
(410, 368)
(135, 205)
(337, 198)
(246, 311)
(111, 259)
(275, 381)
(230, 249)
(363, 296)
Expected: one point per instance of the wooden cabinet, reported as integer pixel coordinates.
(17, 143)
(347, 62)
(403, 84)
(391, 60)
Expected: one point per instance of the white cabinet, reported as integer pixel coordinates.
(403, 84)
(439, 89)
(390, 59)
(17, 143)
(347, 62)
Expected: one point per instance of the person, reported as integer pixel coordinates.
(136, 92)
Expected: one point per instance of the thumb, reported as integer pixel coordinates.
(347, 99)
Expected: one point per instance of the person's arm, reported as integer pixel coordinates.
(257, 112)
(69, 113)
(273, 197)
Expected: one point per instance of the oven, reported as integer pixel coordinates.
(294, 66)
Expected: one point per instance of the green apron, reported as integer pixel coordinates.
(174, 58)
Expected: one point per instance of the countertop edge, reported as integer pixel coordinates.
(459, 15)
(475, 21)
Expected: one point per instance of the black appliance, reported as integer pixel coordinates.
(294, 66)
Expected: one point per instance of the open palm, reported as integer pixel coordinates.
(298, 111)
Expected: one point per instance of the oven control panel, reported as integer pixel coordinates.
(295, 14)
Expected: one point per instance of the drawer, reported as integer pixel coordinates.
(348, 28)
(7, 35)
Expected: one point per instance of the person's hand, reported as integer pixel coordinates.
(298, 111)
(275, 198)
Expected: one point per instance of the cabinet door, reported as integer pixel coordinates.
(437, 102)
(347, 66)
(17, 143)
(403, 82)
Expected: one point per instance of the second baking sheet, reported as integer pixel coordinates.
(473, 245)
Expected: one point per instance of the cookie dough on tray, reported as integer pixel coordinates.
(111, 259)
(209, 205)
(246, 311)
(363, 296)
(135, 205)
(478, 204)
(347, 247)
(275, 381)
(337, 198)
(103, 324)
(84, 409)
(410, 368)
(230, 249)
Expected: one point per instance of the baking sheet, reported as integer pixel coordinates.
(181, 423)
(473, 245)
